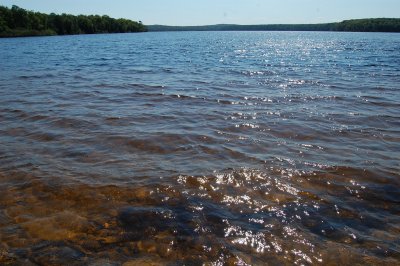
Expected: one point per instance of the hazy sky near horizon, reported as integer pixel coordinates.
(204, 12)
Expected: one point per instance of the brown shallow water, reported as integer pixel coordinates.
(220, 148)
(235, 217)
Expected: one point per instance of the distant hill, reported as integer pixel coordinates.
(16, 22)
(354, 25)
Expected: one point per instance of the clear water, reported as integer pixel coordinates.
(200, 147)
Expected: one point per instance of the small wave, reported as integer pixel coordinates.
(163, 144)
(228, 102)
(40, 136)
(41, 76)
(16, 113)
(145, 86)
(68, 122)
(258, 73)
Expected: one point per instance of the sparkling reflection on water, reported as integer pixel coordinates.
(227, 148)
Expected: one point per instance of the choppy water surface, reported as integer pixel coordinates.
(189, 148)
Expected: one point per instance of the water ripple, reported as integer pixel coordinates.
(226, 148)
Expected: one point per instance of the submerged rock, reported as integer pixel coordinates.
(141, 222)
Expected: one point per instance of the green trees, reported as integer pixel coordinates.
(363, 25)
(370, 25)
(16, 21)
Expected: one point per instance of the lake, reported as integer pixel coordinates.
(227, 148)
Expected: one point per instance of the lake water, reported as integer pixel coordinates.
(228, 148)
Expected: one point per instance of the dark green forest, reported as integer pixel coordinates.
(356, 25)
(16, 21)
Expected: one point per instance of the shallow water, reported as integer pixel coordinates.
(224, 148)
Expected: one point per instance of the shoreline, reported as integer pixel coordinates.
(153, 31)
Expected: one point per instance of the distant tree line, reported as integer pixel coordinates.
(356, 25)
(16, 21)
(370, 25)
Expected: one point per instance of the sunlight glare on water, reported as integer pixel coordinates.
(185, 148)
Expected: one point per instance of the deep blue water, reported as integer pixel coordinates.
(230, 147)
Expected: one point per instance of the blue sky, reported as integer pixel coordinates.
(202, 12)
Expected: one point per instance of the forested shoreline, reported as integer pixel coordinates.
(354, 25)
(17, 22)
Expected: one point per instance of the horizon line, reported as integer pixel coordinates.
(267, 24)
